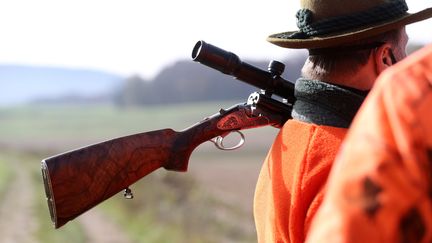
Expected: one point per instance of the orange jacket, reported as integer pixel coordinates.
(290, 185)
(380, 187)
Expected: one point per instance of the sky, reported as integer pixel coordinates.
(129, 37)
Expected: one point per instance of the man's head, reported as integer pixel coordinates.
(346, 63)
(350, 42)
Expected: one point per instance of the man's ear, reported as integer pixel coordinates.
(382, 56)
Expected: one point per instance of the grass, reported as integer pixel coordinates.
(6, 174)
(172, 207)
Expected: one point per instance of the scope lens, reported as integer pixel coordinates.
(197, 49)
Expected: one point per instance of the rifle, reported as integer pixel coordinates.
(78, 180)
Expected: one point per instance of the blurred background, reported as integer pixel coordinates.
(73, 73)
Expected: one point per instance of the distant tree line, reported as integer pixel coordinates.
(187, 81)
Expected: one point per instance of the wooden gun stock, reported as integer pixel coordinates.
(78, 180)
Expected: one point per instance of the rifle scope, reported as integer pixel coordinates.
(229, 63)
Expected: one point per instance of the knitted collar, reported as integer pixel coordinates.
(326, 104)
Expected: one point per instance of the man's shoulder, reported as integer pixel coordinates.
(308, 137)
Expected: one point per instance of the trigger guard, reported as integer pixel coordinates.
(218, 141)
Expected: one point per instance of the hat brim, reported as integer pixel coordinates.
(348, 36)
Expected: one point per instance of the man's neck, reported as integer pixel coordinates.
(362, 79)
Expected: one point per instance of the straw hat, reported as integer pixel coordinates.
(327, 23)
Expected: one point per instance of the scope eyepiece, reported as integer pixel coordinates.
(197, 49)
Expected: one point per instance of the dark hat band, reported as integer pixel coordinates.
(382, 13)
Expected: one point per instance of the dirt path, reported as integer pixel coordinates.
(99, 228)
(17, 224)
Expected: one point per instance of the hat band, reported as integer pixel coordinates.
(384, 12)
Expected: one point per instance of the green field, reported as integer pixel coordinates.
(93, 122)
(207, 204)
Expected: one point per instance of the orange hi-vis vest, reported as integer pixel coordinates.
(290, 185)
(380, 187)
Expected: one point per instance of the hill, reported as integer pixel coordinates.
(187, 81)
(21, 83)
